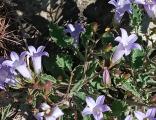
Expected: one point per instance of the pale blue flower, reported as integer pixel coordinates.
(150, 7)
(125, 46)
(36, 57)
(139, 115)
(95, 107)
(121, 6)
(150, 114)
(49, 113)
(18, 63)
(7, 76)
(75, 31)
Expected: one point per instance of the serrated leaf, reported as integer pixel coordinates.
(76, 87)
(64, 62)
(137, 58)
(45, 77)
(92, 68)
(128, 86)
(136, 17)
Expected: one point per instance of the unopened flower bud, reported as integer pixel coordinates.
(106, 77)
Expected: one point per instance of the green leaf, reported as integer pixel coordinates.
(76, 87)
(51, 66)
(137, 58)
(118, 108)
(136, 17)
(58, 36)
(81, 95)
(64, 62)
(87, 35)
(45, 77)
(128, 86)
(92, 68)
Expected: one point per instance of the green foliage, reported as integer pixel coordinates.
(45, 77)
(137, 58)
(136, 17)
(6, 112)
(64, 62)
(87, 35)
(58, 36)
(130, 87)
(118, 108)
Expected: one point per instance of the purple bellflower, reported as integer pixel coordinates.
(6, 76)
(49, 113)
(36, 57)
(121, 6)
(18, 63)
(150, 7)
(96, 108)
(106, 76)
(150, 114)
(75, 31)
(125, 46)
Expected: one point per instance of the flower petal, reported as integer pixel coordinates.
(113, 2)
(45, 53)
(98, 115)
(44, 106)
(24, 71)
(14, 56)
(124, 36)
(32, 49)
(70, 28)
(8, 63)
(132, 38)
(140, 1)
(57, 112)
(118, 39)
(86, 111)
(39, 116)
(136, 46)
(23, 54)
(119, 52)
(100, 100)
(102, 108)
(90, 102)
(129, 117)
(37, 64)
(151, 112)
(139, 115)
(40, 49)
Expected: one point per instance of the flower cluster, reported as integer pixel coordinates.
(7, 76)
(150, 7)
(18, 65)
(96, 108)
(150, 114)
(122, 6)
